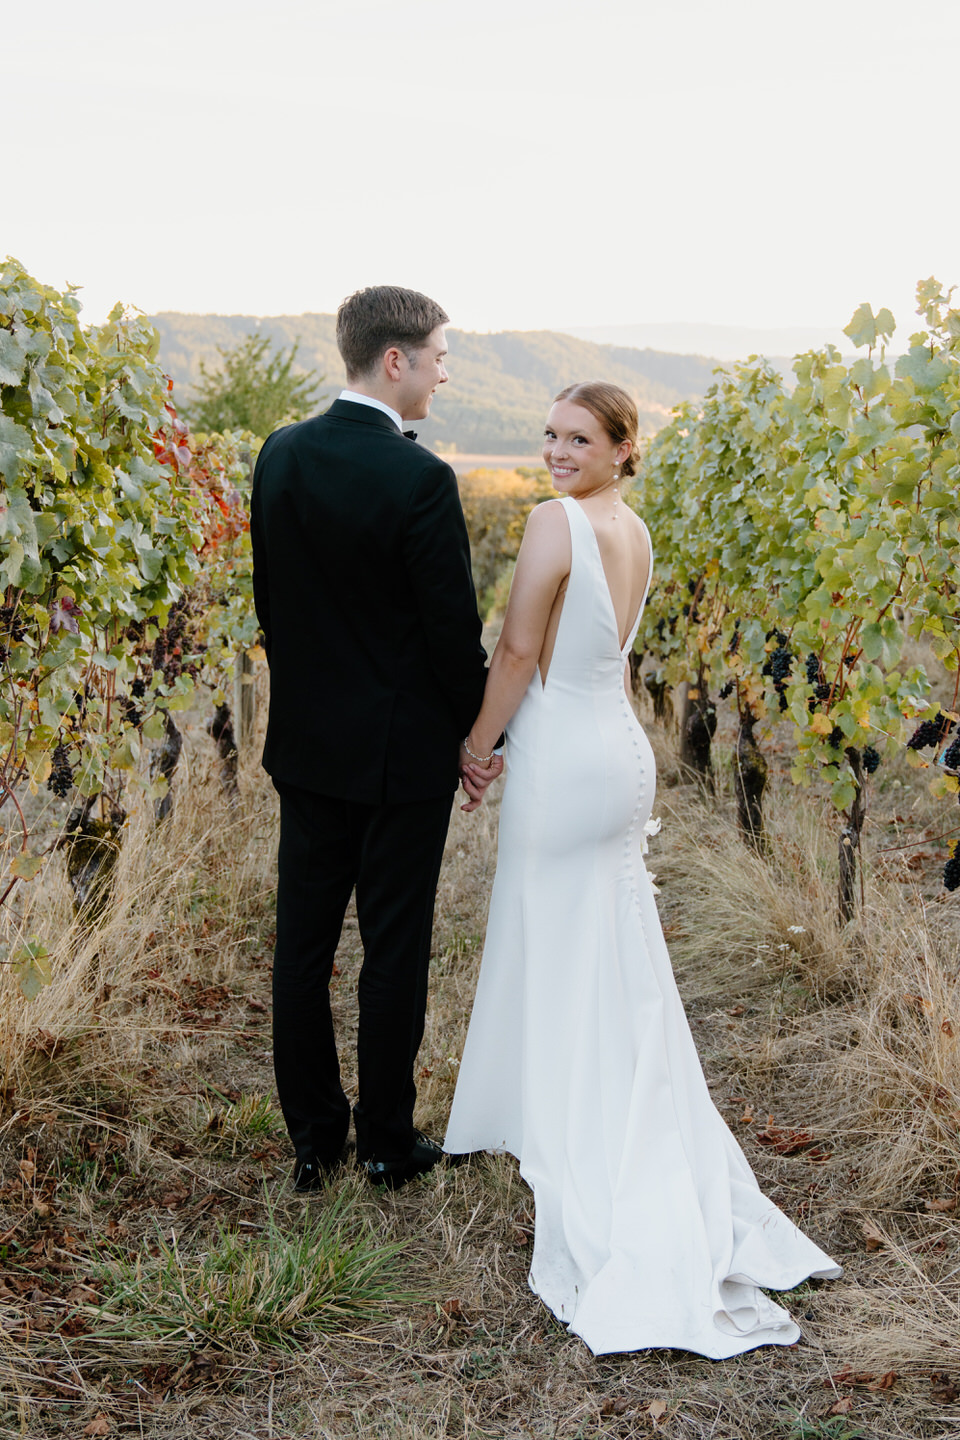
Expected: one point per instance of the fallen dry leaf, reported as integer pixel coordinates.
(873, 1235)
(842, 1407)
(656, 1410)
(747, 1117)
(102, 1425)
(943, 1391)
(946, 1027)
(941, 1207)
(784, 1142)
(453, 1310)
(885, 1382)
(46, 1043)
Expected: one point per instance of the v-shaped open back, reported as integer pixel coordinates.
(632, 630)
(583, 525)
(584, 629)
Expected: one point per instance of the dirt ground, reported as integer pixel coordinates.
(140, 1138)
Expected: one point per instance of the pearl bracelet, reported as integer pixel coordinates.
(480, 759)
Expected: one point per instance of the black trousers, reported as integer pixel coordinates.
(392, 855)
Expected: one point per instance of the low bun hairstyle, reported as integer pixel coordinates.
(615, 410)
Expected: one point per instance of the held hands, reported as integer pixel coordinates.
(476, 775)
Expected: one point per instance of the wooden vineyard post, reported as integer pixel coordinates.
(244, 699)
(850, 842)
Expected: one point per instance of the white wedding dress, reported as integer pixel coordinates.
(650, 1227)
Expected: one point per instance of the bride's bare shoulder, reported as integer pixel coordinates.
(547, 523)
(547, 533)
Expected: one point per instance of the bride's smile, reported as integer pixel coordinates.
(581, 457)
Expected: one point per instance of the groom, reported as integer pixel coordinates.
(363, 590)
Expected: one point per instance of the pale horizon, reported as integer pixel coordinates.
(746, 166)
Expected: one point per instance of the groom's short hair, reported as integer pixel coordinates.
(373, 320)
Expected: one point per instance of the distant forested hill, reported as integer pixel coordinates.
(500, 388)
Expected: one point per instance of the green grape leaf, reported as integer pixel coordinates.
(31, 965)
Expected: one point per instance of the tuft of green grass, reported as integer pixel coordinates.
(266, 1288)
(253, 1118)
(834, 1427)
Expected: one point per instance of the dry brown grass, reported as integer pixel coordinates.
(138, 1093)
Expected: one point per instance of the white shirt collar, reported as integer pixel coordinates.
(357, 399)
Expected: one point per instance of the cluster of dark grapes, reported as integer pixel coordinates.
(132, 712)
(779, 665)
(871, 759)
(952, 758)
(13, 628)
(930, 732)
(816, 678)
(951, 871)
(61, 776)
(170, 644)
(835, 738)
(726, 690)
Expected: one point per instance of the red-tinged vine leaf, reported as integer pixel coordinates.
(842, 1407)
(885, 1382)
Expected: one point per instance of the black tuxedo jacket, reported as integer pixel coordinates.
(362, 586)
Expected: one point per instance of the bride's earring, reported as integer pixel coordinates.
(616, 492)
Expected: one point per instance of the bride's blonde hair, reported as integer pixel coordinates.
(615, 410)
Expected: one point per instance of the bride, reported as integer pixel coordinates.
(650, 1227)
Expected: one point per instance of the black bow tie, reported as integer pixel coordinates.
(409, 434)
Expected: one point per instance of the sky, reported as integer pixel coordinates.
(528, 164)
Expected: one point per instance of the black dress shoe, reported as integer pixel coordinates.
(423, 1155)
(313, 1174)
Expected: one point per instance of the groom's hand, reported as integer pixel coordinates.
(475, 778)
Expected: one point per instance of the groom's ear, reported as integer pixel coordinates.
(392, 361)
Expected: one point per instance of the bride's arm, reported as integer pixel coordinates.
(542, 566)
